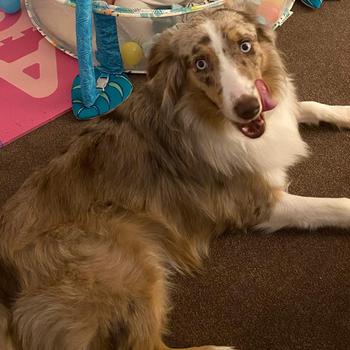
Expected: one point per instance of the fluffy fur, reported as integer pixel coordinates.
(88, 243)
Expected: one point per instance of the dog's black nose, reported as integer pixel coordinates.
(247, 107)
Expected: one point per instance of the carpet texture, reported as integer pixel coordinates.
(289, 290)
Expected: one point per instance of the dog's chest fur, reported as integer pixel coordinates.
(271, 155)
(282, 146)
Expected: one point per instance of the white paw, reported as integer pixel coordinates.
(213, 347)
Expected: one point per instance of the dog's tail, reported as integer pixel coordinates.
(5, 338)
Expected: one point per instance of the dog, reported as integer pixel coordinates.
(89, 242)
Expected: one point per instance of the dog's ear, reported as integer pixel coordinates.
(248, 7)
(266, 34)
(166, 68)
(160, 54)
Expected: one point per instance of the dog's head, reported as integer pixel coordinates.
(227, 60)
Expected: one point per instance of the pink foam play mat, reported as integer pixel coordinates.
(35, 78)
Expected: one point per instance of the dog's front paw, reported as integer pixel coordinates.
(342, 116)
(217, 348)
(339, 115)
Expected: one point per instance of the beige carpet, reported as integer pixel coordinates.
(290, 290)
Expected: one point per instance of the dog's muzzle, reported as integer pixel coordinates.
(248, 107)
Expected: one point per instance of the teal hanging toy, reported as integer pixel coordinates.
(97, 90)
(313, 3)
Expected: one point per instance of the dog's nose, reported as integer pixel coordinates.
(247, 107)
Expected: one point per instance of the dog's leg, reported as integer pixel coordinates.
(313, 112)
(71, 319)
(307, 212)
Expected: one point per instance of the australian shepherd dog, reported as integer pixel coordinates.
(89, 242)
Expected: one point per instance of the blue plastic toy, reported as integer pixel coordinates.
(316, 4)
(97, 90)
(10, 6)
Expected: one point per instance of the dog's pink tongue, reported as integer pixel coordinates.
(266, 100)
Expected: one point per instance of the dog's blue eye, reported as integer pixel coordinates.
(246, 46)
(201, 64)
